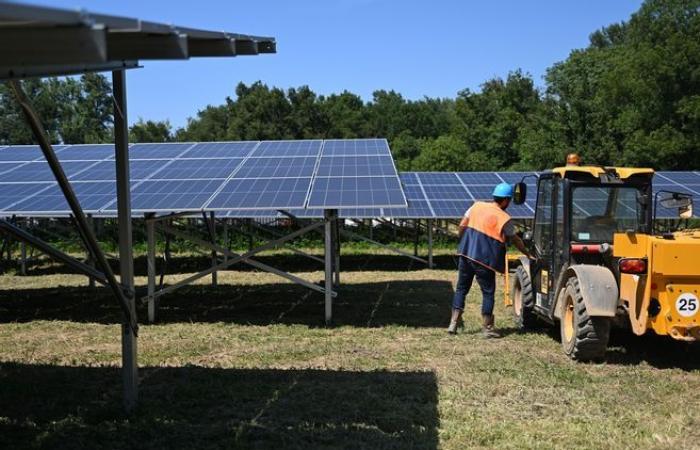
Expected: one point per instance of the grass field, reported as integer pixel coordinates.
(249, 364)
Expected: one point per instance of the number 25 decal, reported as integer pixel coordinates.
(687, 305)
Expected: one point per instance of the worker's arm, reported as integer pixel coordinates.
(520, 245)
(513, 238)
(463, 226)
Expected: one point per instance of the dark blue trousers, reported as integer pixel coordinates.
(486, 278)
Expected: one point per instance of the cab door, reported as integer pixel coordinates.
(543, 238)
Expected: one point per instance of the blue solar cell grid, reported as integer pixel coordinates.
(91, 195)
(356, 174)
(92, 152)
(171, 195)
(409, 178)
(214, 150)
(439, 178)
(266, 193)
(13, 193)
(24, 153)
(184, 169)
(355, 147)
(356, 166)
(158, 151)
(349, 192)
(294, 167)
(486, 178)
(286, 149)
(40, 171)
(446, 192)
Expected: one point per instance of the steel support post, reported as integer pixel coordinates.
(415, 237)
(151, 266)
(336, 252)
(126, 257)
(430, 243)
(328, 250)
(214, 259)
(22, 258)
(226, 239)
(90, 261)
(249, 223)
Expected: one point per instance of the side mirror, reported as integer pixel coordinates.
(683, 202)
(519, 193)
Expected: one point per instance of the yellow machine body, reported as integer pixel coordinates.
(665, 298)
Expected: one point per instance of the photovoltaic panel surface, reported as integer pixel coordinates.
(356, 174)
(349, 192)
(91, 195)
(261, 193)
(24, 153)
(193, 176)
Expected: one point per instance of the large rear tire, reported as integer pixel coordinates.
(584, 338)
(523, 300)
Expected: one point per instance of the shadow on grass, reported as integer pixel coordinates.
(662, 352)
(419, 303)
(286, 262)
(195, 407)
(625, 348)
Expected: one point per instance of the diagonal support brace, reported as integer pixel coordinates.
(78, 214)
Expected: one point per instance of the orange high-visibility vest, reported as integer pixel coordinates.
(483, 240)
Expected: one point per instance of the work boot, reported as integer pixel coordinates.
(455, 321)
(488, 330)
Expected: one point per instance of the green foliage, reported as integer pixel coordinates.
(73, 111)
(150, 131)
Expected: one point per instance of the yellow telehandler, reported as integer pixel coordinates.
(600, 261)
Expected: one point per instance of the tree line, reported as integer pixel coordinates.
(632, 97)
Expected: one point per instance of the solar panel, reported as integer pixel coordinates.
(284, 149)
(170, 195)
(409, 178)
(358, 213)
(293, 167)
(40, 171)
(356, 166)
(682, 178)
(446, 192)
(23, 153)
(257, 193)
(107, 170)
(450, 209)
(13, 193)
(213, 150)
(439, 178)
(472, 178)
(91, 195)
(355, 147)
(158, 151)
(356, 174)
(91, 152)
(188, 169)
(349, 192)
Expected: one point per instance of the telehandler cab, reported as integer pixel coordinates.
(600, 262)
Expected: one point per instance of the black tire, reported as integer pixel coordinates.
(523, 300)
(583, 338)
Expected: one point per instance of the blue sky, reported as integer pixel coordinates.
(418, 48)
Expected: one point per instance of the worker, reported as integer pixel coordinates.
(572, 159)
(484, 231)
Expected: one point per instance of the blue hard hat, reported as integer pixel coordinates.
(503, 190)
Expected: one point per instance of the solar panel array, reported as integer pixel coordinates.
(256, 179)
(213, 176)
